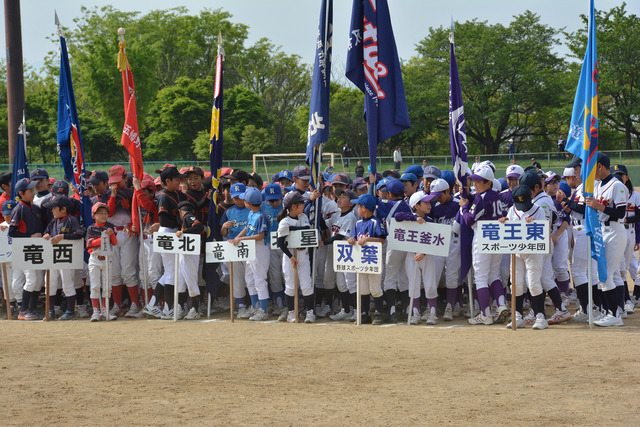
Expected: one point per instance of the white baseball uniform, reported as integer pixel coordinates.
(528, 266)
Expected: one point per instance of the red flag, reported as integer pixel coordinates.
(130, 135)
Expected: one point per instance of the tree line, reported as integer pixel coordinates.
(515, 85)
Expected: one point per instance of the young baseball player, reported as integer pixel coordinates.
(233, 221)
(256, 271)
(368, 229)
(559, 236)
(272, 206)
(527, 266)
(63, 226)
(610, 200)
(200, 198)
(15, 277)
(486, 205)
(420, 266)
(98, 263)
(41, 178)
(290, 219)
(188, 263)
(411, 184)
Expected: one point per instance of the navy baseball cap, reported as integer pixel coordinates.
(366, 200)
(522, 198)
(237, 190)
(530, 179)
(302, 172)
(98, 176)
(24, 184)
(565, 188)
(292, 198)
(395, 187)
(58, 200)
(391, 173)
(432, 172)
(603, 159)
(503, 182)
(359, 183)
(170, 172)
(8, 206)
(619, 170)
(60, 187)
(340, 179)
(350, 194)
(416, 170)
(39, 174)
(273, 192)
(252, 196)
(576, 161)
(409, 176)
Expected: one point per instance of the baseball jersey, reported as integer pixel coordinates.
(536, 212)
(272, 214)
(26, 219)
(41, 198)
(507, 200)
(94, 233)
(633, 204)
(386, 209)
(578, 202)
(168, 207)
(445, 213)
(120, 207)
(368, 227)
(562, 215)
(148, 210)
(611, 193)
(257, 222)
(239, 218)
(485, 206)
(201, 202)
(68, 226)
(287, 223)
(546, 203)
(344, 224)
(192, 225)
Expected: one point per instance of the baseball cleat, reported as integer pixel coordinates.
(310, 317)
(609, 320)
(134, 311)
(342, 315)
(519, 322)
(260, 315)
(559, 317)
(82, 312)
(541, 322)
(501, 314)
(448, 314)
(193, 314)
(628, 307)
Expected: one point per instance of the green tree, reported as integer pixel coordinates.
(242, 107)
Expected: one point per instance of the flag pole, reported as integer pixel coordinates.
(590, 277)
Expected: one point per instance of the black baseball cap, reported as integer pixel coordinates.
(603, 159)
(98, 176)
(576, 161)
(170, 172)
(530, 179)
(58, 200)
(522, 197)
(60, 187)
(5, 178)
(186, 205)
(619, 170)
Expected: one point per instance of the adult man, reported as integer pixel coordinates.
(535, 163)
(397, 158)
(512, 149)
(329, 168)
(610, 200)
(560, 148)
(346, 153)
(475, 164)
(359, 170)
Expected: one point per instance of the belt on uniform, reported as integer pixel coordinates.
(609, 222)
(101, 258)
(576, 222)
(629, 226)
(119, 228)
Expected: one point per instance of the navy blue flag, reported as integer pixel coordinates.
(69, 137)
(20, 164)
(318, 133)
(215, 146)
(458, 140)
(374, 67)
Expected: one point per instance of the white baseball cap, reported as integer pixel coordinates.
(483, 172)
(514, 171)
(568, 172)
(497, 186)
(420, 196)
(551, 175)
(488, 163)
(439, 185)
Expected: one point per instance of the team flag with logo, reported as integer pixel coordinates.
(318, 133)
(20, 164)
(215, 147)
(374, 67)
(69, 136)
(583, 139)
(130, 136)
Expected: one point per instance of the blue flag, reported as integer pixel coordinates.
(20, 164)
(374, 67)
(318, 133)
(458, 140)
(69, 137)
(215, 147)
(583, 139)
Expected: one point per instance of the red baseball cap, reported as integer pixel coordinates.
(97, 206)
(116, 174)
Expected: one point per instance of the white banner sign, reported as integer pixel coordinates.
(298, 239)
(357, 259)
(169, 243)
(5, 246)
(428, 238)
(513, 237)
(106, 248)
(226, 251)
(38, 254)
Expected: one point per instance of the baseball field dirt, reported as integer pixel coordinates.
(144, 372)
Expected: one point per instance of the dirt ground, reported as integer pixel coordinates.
(154, 372)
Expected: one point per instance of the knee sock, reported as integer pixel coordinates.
(519, 303)
(182, 298)
(611, 300)
(390, 296)
(80, 296)
(71, 304)
(278, 298)
(484, 300)
(432, 303)
(254, 300)
(26, 299)
(379, 303)
(95, 304)
(158, 293)
(537, 304)
(263, 304)
(451, 297)
(117, 295)
(345, 298)
(554, 295)
(404, 299)
(168, 296)
(563, 286)
(598, 299)
(33, 304)
(497, 291)
(364, 303)
(582, 291)
(636, 291)
(52, 302)
(308, 302)
(133, 294)
(58, 298)
(627, 297)
(291, 303)
(317, 295)
(619, 299)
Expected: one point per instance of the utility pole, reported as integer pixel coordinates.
(15, 72)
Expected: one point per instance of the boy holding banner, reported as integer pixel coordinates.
(188, 263)
(272, 206)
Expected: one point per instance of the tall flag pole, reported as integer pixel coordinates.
(374, 67)
(130, 136)
(216, 140)
(20, 164)
(458, 141)
(583, 142)
(70, 146)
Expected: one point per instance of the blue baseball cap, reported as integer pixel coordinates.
(238, 190)
(448, 176)
(416, 170)
(273, 192)
(503, 182)
(8, 206)
(366, 200)
(565, 188)
(383, 183)
(252, 196)
(39, 173)
(285, 174)
(24, 184)
(395, 187)
(409, 176)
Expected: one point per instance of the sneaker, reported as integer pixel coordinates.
(481, 319)
(310, 317)
(28, 316)
(95, 316)
(580, 316)
(22, 315)
(636, 301)
(202, 308)
(103, 315)
(559, 317)
(37, 316)
(448, 314)
(609, 320)
(167, 314)
(530, 318)
(291, 316)
(394, 318)
(277, 310)
(52, 315)
(325, 310)
(377, 318)
(432, 319)
(181, 312)
(283, 315)
(193, 314)
(365, 319)
(58, 311)
(519, 322)
(82, 312)
(501, 314)
(622, 313)
(134, 311)
(541, 322)
(68, 315)
(246, 312)
(115, 311)
(415, 319)
(456, 310)
(152, 312)
(259, 316)
(341, 315)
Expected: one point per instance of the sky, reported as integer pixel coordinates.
(292, 24)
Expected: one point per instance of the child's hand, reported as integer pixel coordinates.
(3, 227)
(46, 236)
(315, 194)
(227, 225)
(420, 220)
(179, 233)
(320, 244)
(419, 257)
(154, 227)
(56, 239)
(136, 183)
(503, 219)
(463, 201)
(108, 231)
(351, 241)
(529, 219)
(294, 261)
(209, 194)
(236, 241)
(114, 189)
(363, 241)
